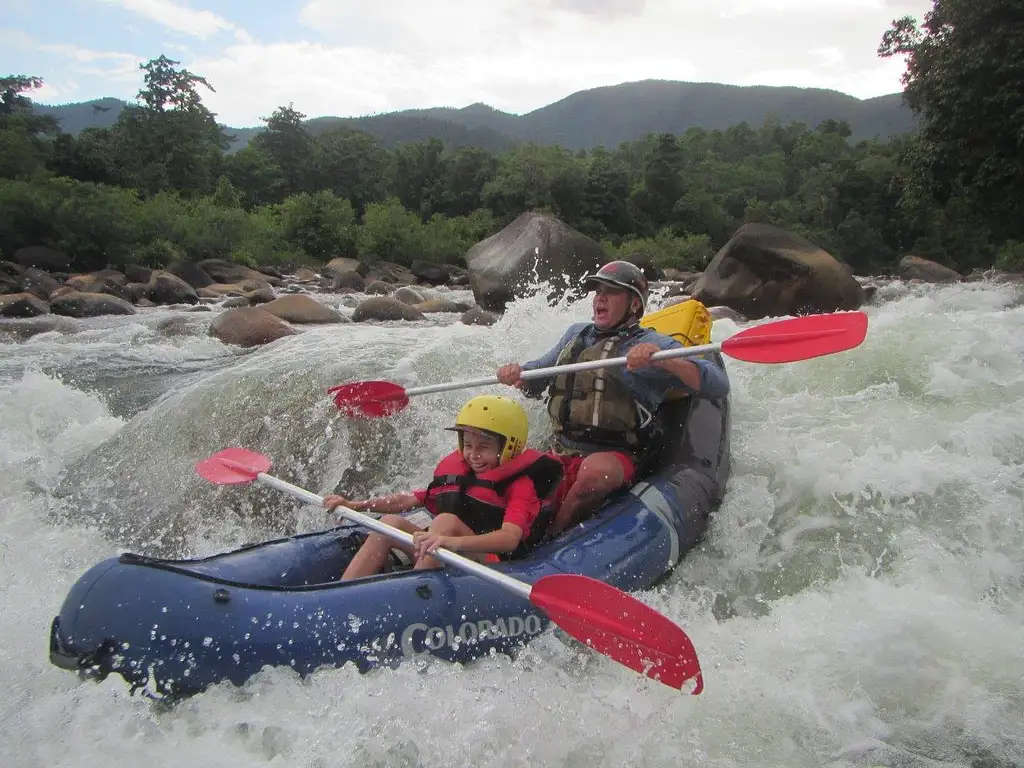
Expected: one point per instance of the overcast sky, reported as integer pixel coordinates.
(355, 57)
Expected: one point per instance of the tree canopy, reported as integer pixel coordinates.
(965, 81)
(158, 185)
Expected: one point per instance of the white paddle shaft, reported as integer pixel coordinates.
(540, 373)
(497, 578)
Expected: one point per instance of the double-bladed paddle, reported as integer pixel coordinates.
(783, 341)
(597, 614)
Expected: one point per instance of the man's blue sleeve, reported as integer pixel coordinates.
(550, 357)
(713, 381)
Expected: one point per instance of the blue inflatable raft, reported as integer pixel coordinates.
(175, 627)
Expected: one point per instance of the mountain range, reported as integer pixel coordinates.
(599, 116)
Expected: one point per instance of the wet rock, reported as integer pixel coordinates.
(408, 295)
(431, 274)
(351, 280)
(38, 283)
(441, 305)
(229, 272)
(916, 268)
(766, 271)
(389, 272)
(10, 269)
(73, 303)
(340, 265)
(33, 326)
(9, 284)
(379, 288)
(136, 273)
(534, 246)
(385, 308)
(191, 273)
(165, 288)
(300, 309)
(22, 305)
(478, 316)
(96, 284)
(306, 275)
(261, 296)
(249, 327)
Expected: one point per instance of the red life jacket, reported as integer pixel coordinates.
(479, 500)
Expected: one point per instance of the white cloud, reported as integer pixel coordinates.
(366, 56)
(830, 56)
(181, 18)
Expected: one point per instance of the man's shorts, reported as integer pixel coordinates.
(571, 468)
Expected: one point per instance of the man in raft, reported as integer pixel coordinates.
(601, 417)
(486, 498)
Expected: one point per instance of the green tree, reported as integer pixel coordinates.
(965, 81)
(391, 233)
(255, 175)
(320, 223)
(287, 143)
(352, 165)
(170, 140)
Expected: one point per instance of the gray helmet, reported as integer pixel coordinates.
(620, 274)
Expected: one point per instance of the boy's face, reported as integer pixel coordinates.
(481, 451)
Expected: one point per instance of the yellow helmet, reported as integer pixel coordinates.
(498, 416)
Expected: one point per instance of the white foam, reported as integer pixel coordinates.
(858, 601)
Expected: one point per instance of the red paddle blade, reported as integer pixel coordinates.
(619, 626)
(233, 466)
(369, 399)
(799, 338)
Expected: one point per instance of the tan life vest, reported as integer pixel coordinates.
(601, 413)
(594, 409)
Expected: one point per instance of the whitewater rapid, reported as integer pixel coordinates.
(859, 599)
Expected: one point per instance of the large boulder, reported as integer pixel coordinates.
(379, 288)
(38, 283)
(10, 269)
(26, 328)
(95, 283)
(533, 247)
(341, 265)
(442, 305)
(389, 272)
(165, 288)
(477, 316)
(113, 275)
(191, 273)
(136, 273)
(408, 295)
(916, 268)
(230, 272)
(431, 274)
(764, 271)
(9, 285)
(22, 305)
(249, 327)
(350, 280)
(385, 308)
(72, 303)
(300, 308)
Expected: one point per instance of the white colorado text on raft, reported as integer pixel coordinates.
(435, 638)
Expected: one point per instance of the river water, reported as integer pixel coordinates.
(858, 601)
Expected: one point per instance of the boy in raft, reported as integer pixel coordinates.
(486, 497)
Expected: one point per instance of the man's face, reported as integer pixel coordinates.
(611, 305)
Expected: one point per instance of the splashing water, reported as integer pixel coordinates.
(858, 601)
